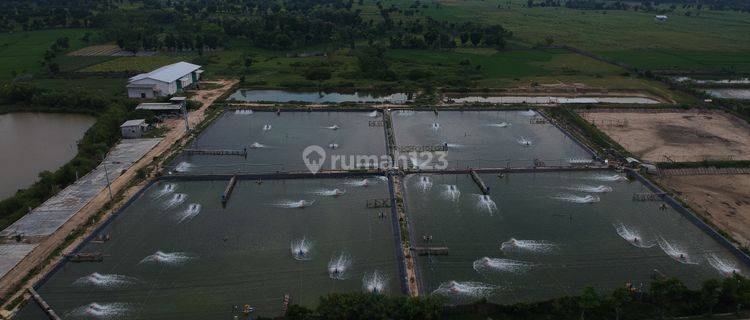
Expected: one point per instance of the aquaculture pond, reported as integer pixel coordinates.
(485, 139)
(543, 235)
(276, 142)
(739, 94)
(246, 95)
(551, 100)
(175, 253)
(35, 142)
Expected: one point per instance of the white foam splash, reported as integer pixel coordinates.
(95, 310)
(301, 249)
(632, 236)
(183, 167)
(176, 200)
(675, 251)
(190, 212)
(425, 183)
(465, 291)
(105, 281)
(333, 127)
(267, 127)
(330, 192)
(487, 264)
(165, 190)
(578, 199)
(725, 266)
(580, 161)
(258, 145)
(167, 258)
(359, 183)
(374, 282)
(528, 113)
(451, 192)
(593, 189)
(524, 142)
(538, 246)
(338, 266)
(499, 125)
(295, 204)
(485, 203)
(609, 177)
(373, 114)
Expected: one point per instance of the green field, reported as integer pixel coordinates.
(486, 68)
(683, 61)
(702, 42)
(137, 64)
(98, 85)
(23, 52)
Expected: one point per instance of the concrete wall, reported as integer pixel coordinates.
(162, 88)
(141, 93)
(131, 132)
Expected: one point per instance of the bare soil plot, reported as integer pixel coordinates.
(723, 199)
(98, 50)
(681, 136)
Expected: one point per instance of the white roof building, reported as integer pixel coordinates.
(164, 81)
(133, 128)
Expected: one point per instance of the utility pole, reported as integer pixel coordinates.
(185, 115)
(106, 175)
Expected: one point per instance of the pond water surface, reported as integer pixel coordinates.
(33, 142)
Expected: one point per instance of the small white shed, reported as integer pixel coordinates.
(134, 128)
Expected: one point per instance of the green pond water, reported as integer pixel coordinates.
(570, 233)
(165, 261)
(486, 139)
(276, 142)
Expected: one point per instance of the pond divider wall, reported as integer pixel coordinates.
(412, 241)
(397, 239)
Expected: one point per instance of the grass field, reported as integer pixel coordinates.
(22, 52)
(676, 60)
(487, 68)
(135, 64)
(98, 85)
(700, 42)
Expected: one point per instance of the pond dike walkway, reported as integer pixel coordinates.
(349, 174)
(25, 235)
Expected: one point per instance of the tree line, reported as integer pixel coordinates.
(282, 24)
(664, 299)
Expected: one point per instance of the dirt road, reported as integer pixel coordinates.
(122, 185)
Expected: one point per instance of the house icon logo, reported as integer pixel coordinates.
(314, 156)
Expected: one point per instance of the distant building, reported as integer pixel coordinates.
(164, 81)
(661, 18)
(134, 128)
